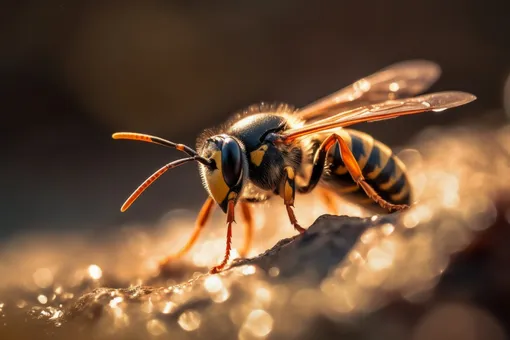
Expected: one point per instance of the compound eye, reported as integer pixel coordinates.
(231, 161)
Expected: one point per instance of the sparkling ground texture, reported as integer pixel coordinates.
(438, 270)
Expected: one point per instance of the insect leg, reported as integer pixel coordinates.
(288, 192)
(230, 220)
(379, 200)
(351, 165)
(203, 217)
(248, 228)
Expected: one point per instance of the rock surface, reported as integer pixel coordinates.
(280, 293)
(437, 271)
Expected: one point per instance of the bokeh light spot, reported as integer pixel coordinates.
(189, 320)
(43, 277)
(95, 272)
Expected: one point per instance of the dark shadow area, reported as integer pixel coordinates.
(74, 72)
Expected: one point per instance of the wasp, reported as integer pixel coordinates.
(276, 150)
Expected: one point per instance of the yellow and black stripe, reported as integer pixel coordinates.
(381, 168)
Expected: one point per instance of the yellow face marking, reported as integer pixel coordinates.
(217, 186)
(232, 196)
(385, 154)
(257, 155)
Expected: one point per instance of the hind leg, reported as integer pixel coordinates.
(352, 167)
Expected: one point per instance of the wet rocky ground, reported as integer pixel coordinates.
(437, 271)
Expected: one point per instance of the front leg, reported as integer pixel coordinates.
(228, 247)
(287, 191)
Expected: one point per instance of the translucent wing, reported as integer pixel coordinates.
(389, 109)
(400, 80)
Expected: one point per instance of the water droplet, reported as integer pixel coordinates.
(21, 304)
(57, 313)
(43, 277)
(114, 303)
(169, 307)
(410, 220)
(259, 323)
(263, 295)
(213, 284)
(67, 296)
(249, 270)
(155, 327)
(369, 236)
(189, 320)
(275, 271)
(387, 229)
(95, 272)
(220, 296)
(379, 258)
(42, 299)
(363, 85)
(147, 306)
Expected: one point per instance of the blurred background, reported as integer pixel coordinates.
(74, 72)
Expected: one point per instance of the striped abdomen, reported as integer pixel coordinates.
(380, 167)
